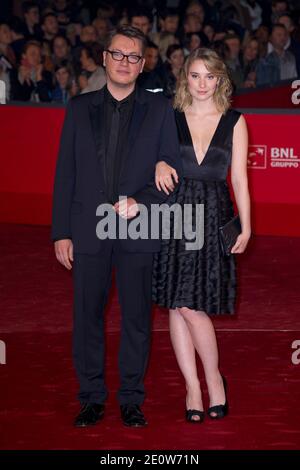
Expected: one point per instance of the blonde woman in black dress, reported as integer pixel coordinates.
(195, 284)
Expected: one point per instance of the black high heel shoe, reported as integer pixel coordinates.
(220, 410)
(189, 415)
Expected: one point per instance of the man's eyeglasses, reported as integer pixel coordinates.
(119, 56)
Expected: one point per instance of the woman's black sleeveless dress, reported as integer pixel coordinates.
(202, 279)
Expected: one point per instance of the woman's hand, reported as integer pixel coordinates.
(241, 243)
(164, 175)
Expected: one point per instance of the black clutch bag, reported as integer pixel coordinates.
(229, 233)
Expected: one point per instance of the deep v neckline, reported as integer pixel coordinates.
(211, 140)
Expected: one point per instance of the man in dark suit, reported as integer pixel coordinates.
(111, 142)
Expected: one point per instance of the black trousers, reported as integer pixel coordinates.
(92, 281)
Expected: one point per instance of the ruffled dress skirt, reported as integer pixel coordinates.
(202, 279)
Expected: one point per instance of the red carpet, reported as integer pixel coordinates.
(38, 385)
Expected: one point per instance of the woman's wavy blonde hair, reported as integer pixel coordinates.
(214, 65)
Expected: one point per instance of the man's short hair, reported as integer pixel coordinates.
(140, 11)
(27, 6)
(231, 36)
(151, 45)
(167, 12)
(277, 25)
(31, 42)
(128, 32)
(60, 36)
(64, 64)
(275, 2)
(287, 15)
(47, 16)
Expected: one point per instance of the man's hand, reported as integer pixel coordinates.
(127, 208)
(164, 175)
(64, 252)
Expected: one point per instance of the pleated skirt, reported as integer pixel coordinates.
(200, 279)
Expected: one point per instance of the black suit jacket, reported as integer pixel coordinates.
(80, 173)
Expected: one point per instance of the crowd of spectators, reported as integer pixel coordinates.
(51, 50)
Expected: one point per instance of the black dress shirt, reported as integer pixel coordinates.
(116, 137)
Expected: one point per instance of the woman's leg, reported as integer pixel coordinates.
(185, 354)
(203, 336)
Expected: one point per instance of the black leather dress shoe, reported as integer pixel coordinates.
(132, 416)
(89, 414)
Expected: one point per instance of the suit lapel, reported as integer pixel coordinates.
(138, 115)
(97, 117)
